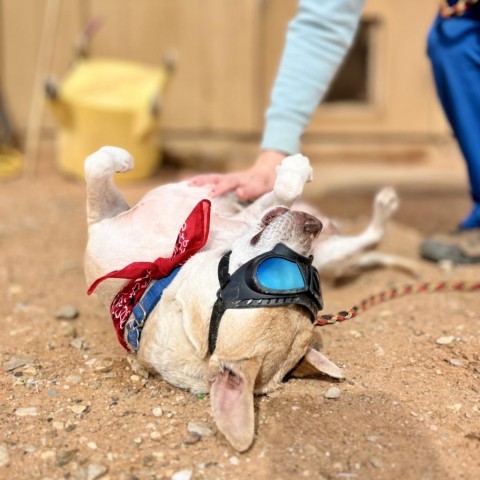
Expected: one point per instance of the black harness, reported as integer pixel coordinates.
(273, 279)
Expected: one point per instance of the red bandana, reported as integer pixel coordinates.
(192, 237)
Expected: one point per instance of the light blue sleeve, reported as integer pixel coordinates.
(317, 40)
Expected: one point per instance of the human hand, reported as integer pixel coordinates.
(247, 184)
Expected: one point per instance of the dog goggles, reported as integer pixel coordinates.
(273, 279)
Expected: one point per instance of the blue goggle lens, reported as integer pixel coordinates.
(280, 274)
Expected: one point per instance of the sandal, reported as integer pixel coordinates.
(461, 247)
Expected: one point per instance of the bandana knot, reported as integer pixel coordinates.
(192, 237)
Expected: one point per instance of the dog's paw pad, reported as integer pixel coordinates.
(107, 161)
(386, 202)
(291, 177)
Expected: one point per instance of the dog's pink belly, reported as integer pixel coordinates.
(145, 232)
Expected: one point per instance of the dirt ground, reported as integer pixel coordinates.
(72, 405)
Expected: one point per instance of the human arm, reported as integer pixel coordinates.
(317, 40)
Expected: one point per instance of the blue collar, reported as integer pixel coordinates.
(141, 311)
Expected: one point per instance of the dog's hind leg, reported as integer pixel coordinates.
(384, 206)
(338, 248)
(104, 200)
(380, 259)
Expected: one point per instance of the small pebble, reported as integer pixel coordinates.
(78, 343)
(455, 362)
(155, 436)
(69, 427)
(58, 425)
(234, 460)
(92, 445)
(4, 456)
(456, 407)
(104, 368)
(310, 449)
(68, 329)
(191, 438)
(78, 409)
(201, 428)
(158, 455)
(157, 412)
(332, 393)
(26, 412)
(75, 379)
(16, 362)
(182, 475)
(67, 312)
(47, 455)
(376, 462)
(95, 471)
(445, 340)
(379, 351)
(65, 458)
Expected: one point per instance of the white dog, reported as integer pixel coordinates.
(251, 349)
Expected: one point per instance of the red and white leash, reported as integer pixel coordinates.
(392, 293)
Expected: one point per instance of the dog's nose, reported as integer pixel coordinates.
(312, 224)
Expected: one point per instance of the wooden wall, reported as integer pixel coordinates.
(215, 86)
(403, 98)
(227, 53)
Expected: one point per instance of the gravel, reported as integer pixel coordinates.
(67, 312)
(17, 362)
(333, 393)
(201, 428)
(4, 456)
(157, 412)
(26, 412)
(182, 475)
(96, 471)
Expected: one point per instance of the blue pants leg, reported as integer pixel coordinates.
(454, 51)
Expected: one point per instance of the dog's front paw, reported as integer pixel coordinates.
(107, 161)
(386, 204)
(291, 177)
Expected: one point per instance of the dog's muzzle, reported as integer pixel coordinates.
(273, 279)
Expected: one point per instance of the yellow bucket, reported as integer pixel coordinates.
(109, 102)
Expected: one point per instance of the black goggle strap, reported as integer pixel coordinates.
(219, 306)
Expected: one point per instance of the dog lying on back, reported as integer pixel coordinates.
(231, 344)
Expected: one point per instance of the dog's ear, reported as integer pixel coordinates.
(313, 358)
(231, 396)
